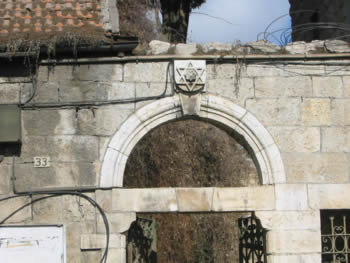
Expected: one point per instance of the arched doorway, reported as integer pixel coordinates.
(213, 108)
(189, 153)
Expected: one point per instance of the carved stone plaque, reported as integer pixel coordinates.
(190, 75)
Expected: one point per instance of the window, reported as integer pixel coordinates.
(335, 236)
(252, 242)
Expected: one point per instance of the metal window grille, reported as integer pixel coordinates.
(335, 236)
(252, 243)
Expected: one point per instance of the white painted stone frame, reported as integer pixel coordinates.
(213, 108)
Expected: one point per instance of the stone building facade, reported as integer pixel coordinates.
(87, 115)
(70, 120)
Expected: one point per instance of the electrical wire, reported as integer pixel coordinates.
(169, 72)
(283, 36)
(51, 194)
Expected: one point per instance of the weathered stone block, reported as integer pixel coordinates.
(293, 242)
(91, 256)
(304, 70)
(162, 72)
(49, 122)
(296, 139)
(104, 199)
(316, 112)
(297, 48)
(73, 233)
(159, 47)
(99, 72)
(224, 71)
(59, 175)
(194, 199)
(144, 200)
(104, 141)
(275, 111)
(244, 198)
(61, 73)
(336, 139)
(46, 92)
(66, 148)
(346, 82)
(120, 90)
(264, 47)
(186, 49)
(73, 255)
(329, 196)
(316, 167)
(216, 47)
(43, 73)
(110, 118)
(337, 46)
(340, 111)
(77, 209)
(5, 175)
(291, 197)
(238, 91)
(118, 222)
(9, 206)
(256, 70)
(290, 220)
(75, 90)
(48, 210)
(26, 93)
(96, 241)
(336, 70)
(144, 90)
(146, 72)
(327, 87)
(9, 93)
(116, 255)
(306, 258)
(86, 122)
(272, 87)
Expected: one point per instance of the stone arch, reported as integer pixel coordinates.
(212, 108)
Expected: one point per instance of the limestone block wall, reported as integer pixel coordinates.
(78, 107)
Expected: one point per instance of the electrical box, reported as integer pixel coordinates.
(32, 244)
(10, 124)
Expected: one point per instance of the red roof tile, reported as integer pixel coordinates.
(50, 16)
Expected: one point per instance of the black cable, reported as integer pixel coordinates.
(109, 102)
(285, 34)
(51, 194)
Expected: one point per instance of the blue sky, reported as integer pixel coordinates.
(247, 17)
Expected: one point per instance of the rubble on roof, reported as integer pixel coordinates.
(260, 47)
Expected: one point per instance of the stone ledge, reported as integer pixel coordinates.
(329, 196)
(293, 242)
(193, 199)
(306, 258)
(244, 198)
(96, 241)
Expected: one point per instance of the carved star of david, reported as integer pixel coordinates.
(191, 78)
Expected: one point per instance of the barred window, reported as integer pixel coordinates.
(234, 237)
(335, 236)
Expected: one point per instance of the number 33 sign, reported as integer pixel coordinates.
(41, 162)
